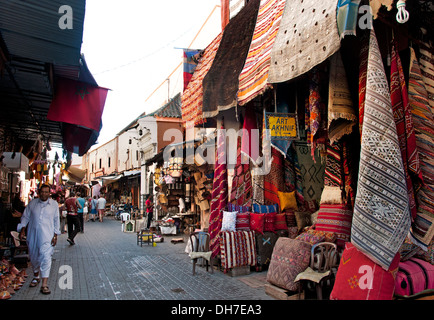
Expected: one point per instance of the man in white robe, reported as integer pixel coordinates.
(41, 224)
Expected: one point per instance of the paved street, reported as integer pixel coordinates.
(107, 264)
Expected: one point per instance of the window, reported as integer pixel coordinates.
(109, 162)
(100, 163)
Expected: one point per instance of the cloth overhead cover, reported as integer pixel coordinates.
(220, 85)
(308, 35)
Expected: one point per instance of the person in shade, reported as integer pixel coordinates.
(72, 205)
(80, 211)
(101, 207)
(40, 225)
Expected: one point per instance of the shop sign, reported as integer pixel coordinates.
(282, 126)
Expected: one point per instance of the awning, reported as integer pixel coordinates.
(75, 174)
(131, 173)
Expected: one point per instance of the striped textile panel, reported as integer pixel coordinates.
(237, 249)
(381, 219)
(253, 78)
(192, 97)
(427, 67)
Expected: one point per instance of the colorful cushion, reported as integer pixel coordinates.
(280, 222)
(257, 221)
(292, 232)
(427, 255)
(289, 258)
(269, 220)
(229, 221)
(287, 200)
(335, 218)
(243, 221)
(359, 278)
(303, 219)
(414, 276)
(290, 218)
(264, 246)
(310, 238)
(265, 208)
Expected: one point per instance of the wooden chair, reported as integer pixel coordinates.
(324, 257)
(200, 249)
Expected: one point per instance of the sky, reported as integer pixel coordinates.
(132, 46)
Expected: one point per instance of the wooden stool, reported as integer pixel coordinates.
(145, 236)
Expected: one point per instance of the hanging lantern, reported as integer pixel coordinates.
(157, 174)
(175, 168)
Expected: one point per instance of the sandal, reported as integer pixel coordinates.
(45, 290)
(34, 282)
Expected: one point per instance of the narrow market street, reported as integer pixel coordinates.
(107, 264)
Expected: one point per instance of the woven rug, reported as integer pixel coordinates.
(404, 125)
(427, 67)
(192, 97)
(254, 76)
(381, 218)
(237, 249)
(275, 179)
(341, 113)
(219, 194)
(293, 179)
(422, 229)
(363, 57)
(241, 191)
(308, 35)
(334, 179)
(221, 83)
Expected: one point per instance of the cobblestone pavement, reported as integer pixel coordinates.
(107, 264)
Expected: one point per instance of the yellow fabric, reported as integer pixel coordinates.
(287, 200)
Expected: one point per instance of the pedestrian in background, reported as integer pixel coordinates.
(72, 206)
(80, 211)
(40, 225)
(93, 208)
(149, 210)
(101, 207)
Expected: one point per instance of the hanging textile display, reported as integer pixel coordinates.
(250, 139)
(254, 76)
(363, 57)
(293, 179)
(381, 218)
(347, 17)
(333, 176)
(221, 83)
(192, 97)
(241, 192)
(422, 229)
(404, 126)
(341, 114)
(308, 35)
(191, 60)
(219, 194)
(427, 67)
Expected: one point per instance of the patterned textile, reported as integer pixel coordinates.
(347, 17)
(192, 97)
(264, 247)
(333, 175)
(241, 192)
(254, 76)
(352, 282)
(250, 142)
(335, 218)
(422, 229)
(237, 249)
(280, 222)
(427, 68)
(317, 112)
(363, 57)
(243, 221)
(310, 238)
(312, 173)
(191, 60)
(269, 220)
(257, 221)
(234, 207)
(275, 179)
(381, 218)
(219, 194)
(404, 125)
(289, 258)
(265, 208)
(341, 114)
(413, 277)
(220, 85)
(307, 36)
(293, 178)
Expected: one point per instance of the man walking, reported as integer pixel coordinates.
(101, 207)
(80, 211)
(72, 205)
(40, 224)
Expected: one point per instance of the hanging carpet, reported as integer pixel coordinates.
(220, 85)
(381, 218)
(308, 35)
(254, 76)
(241, 191)
(422, 229)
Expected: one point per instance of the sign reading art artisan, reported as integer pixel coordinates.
(282, 126)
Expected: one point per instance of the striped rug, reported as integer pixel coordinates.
(381, 218)
(192, 97)
(254, 76)
(422, 229)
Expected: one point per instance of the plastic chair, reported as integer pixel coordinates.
(324, 257)
(200, 249)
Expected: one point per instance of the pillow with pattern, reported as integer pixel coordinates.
(229, 221)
